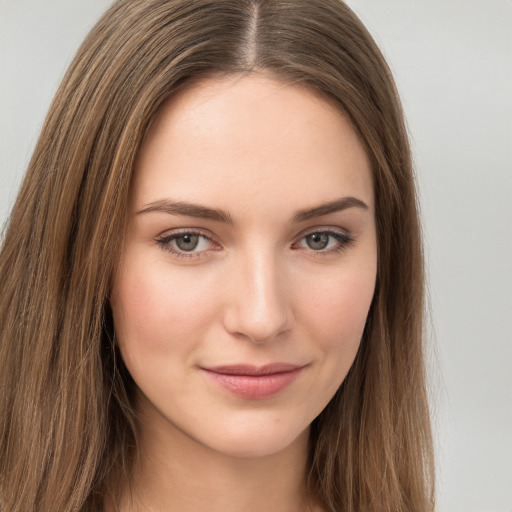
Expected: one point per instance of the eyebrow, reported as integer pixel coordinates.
(333, 206)
(203, 212)
(188, 209)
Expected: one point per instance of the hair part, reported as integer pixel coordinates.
(68, 432)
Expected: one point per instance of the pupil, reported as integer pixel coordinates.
(317, 241)
(187, 242)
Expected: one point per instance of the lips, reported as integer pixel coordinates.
(254, 382)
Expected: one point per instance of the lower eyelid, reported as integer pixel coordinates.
(338, 235)
(165, 241)
(343, 241)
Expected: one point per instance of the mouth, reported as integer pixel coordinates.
(254, 382)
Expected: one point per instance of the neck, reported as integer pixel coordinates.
(176, 472)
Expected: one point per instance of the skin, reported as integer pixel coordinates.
(255, 290)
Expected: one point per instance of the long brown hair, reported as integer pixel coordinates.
(66, 420)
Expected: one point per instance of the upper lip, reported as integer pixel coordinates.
(249, 369)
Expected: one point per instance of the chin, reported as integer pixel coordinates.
(258, 441)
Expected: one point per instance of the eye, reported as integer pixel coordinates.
(186, 244)
(317, 241)
(325, 241)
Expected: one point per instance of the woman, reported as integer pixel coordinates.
(212, 276)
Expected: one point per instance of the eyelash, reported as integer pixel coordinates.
(344, 241)
(165, 243)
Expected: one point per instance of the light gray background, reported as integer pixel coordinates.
(453, 64)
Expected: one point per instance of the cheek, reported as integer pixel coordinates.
(334, 314)
(337, 311)
(157, 311)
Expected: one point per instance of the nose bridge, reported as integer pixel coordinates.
(259, 308)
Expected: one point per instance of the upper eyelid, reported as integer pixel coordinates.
(207, 234)
(323, 229)
(339, 235)
(176, 232)
(164, 240)
(169, 233)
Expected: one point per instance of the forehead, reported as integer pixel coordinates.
(249, 139)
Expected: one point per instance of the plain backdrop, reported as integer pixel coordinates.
(452, 61)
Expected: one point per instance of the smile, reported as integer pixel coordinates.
(254, 383)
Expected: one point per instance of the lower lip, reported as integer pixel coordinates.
(254, 387)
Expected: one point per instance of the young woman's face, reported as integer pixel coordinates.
(249, 264)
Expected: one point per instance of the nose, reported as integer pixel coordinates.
(258, 307)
